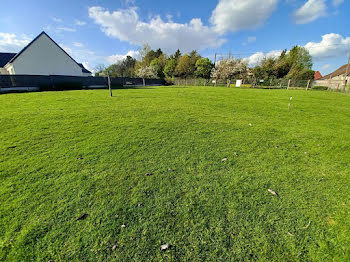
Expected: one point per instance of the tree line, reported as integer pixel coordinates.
(293, 64)
(158, 64)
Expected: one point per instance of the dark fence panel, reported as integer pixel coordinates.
(24, 81)
(59, 82)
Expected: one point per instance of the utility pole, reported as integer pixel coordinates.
(109, 84)
(216, 78)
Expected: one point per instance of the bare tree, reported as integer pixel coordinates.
(144, 50)
(100, 68)
(229, 68)
(146, 72)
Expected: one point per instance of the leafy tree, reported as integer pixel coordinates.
(258, 72)
(282, 66)
(169, 69)
(147, 54)
(203, 68)
(299, 73)
(300, 56)
(159, 52)
(112, 70)
(268, 67)
(176, 55)
(230, 68)
(184, 67)
(159, 64)
(307, 74)
(150, 56)
(300, 62)
(187, 65)
(146, 72)
(123, 68)
(194, 57)
(295, 64)
(127, 66)
(146, 48)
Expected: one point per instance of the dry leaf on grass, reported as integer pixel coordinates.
(82, 216)
(272, 192)
(164, 247)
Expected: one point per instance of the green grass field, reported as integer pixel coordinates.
(66, 154)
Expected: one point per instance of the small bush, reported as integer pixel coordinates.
(320, 88)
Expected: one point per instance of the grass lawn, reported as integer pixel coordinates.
(66, 154)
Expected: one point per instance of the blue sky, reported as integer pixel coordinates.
(101, 32)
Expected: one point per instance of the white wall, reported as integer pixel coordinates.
(340, 77)
(86, 74)
(331, 84)
(43, 57)
(3, 71)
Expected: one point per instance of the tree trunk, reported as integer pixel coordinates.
(228, 83)
(144, 82)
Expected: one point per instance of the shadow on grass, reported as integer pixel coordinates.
(133, 87)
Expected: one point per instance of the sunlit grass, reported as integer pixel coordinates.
(211, 155)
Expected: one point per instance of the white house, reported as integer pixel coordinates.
(42, 56)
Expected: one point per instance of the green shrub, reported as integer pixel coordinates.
(320, 88)
(169, 81)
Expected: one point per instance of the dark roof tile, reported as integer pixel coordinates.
(5, 58)
(340, 71)
(84, 69)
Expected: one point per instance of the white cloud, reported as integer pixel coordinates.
(169, 17)
(12, 43)
(80, 23)
(234, 15)
(126, 26)
(66, 48)
(130, 2)
(83, 55)
(337, 3)
(87, 66)
(117, 57)
(310, 11)
(57, 20)
(251, 39)
(326, 67)
(78, 44)
(66, 29)
(256, 58)
(332, 45)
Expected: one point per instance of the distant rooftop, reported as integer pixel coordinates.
(340, 71)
